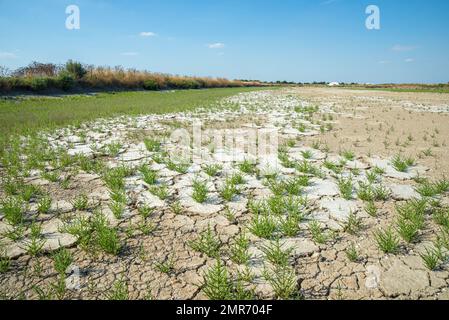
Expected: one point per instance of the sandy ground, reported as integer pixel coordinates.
(387, 123)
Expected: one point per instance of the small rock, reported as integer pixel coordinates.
(401, 280)
(372, 277)
(403, 192)
(80, 150)
(134, 155)
(320, 188)
(185, 223)
(149, 199)
(339, 209)
(301, 247)
(54, 239)
(61, 206)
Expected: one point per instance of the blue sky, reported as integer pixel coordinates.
(295, 40)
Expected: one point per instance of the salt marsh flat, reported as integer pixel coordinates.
(352, 204)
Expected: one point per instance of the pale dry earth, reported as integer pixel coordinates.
(375, 126)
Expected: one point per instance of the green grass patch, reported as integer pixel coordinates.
(31, 114)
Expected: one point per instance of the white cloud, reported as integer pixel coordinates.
(402, 48)
(384, 62)
(130, 54)
(409, 60)
(217, 45)
(7, 55)
(147, 34)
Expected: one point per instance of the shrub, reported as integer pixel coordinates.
(151, 84)
(75, 68)
(66, 81)
(5, 84)
(183, 83)
(38, 84)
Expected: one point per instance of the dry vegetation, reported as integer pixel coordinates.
(41, 77)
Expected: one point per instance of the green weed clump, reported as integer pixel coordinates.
(81, 202)
(218, 284)
(276, 254)
(431, 189)
(239, 249)
(352, 254)
(411, 219)
(229, 190)
(166, 266)
(149, 175)
(247, 167)
(346, 187)
(283, 281)
(318, 234)
(12, 209)
(263, 225)
(402, 164)
(119, 291)
(387, 241)
(152, 145)
(200, 191)
(5, 261)
(62, 259)
(207, 243)
(95, 234)
(212, 170)
(431, 258)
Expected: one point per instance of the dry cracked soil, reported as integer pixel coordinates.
(352, 203)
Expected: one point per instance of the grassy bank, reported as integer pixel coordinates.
(28, 115)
